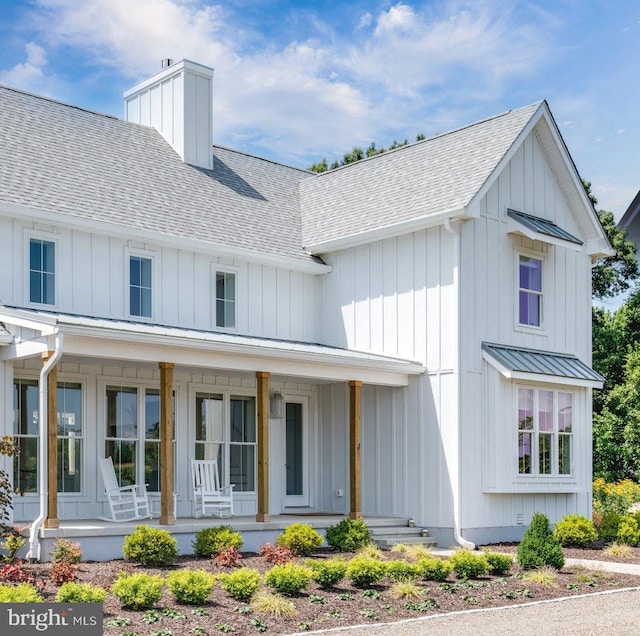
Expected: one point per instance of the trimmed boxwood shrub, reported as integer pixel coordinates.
(80, 593)
(364, 571)
(191, 587)
(241, 584)
(289, 579)
(402, 570)
(150, 546)
(349, 535)
(469, 565)
(628, 531)
(300, 538)
(608, 526)
(575, 531)
(433, 569)
(538, 546)
(327, 572)
(212, 541)
(137, 591)
(23, 593)
(499, 564)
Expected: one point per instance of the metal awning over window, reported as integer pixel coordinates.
(539, 229)
(540, 366)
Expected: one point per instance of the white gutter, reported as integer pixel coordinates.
(457, 491)
(43, 477)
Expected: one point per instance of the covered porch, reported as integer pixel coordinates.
(176, 367)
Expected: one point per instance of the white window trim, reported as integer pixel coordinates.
(536, 475)
(141, 386)
(223, 269)
(68, 379)
(226, 393)
(155, 286)
(544, 295)
(40, 236)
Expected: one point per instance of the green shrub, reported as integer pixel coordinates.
(289, 579)
(614, 497)
(608, 526)
(575, 531)
(23, 593)
(538, 546)
(349, 535)
(499, 564)
(80, 593)
(64, 551)
(210, 542)
(628, 531)
(327, 572)
(300, 538)
(469, 565)
(241, 584)
(364, 571)
(191, 587)
(433, 569)
(150, 546)
(402, 570)
(137, 591)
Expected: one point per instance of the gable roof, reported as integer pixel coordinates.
(91, 167)
(436, 175)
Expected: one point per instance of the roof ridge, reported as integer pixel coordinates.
(268, 160)
(434, 137)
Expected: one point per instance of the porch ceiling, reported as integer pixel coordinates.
(147, 343)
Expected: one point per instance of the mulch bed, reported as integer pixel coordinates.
(321, 609)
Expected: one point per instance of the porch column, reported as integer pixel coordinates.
(263, 446)
(355, 464)
(167, 513)
(52, 520)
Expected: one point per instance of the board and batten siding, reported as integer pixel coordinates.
(92, 280)
(395, 297)
(488, 312)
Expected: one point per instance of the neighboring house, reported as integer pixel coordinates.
(630, 221)
(407, 336)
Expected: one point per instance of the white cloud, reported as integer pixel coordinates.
(365, 21)
(399, 18)
(27, 75)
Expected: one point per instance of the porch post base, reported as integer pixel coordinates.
(51, 523)
(167, 521)
(355, 515)
(263, 516)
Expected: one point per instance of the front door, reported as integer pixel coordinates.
(296, 487)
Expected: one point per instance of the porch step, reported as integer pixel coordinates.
(390, 532)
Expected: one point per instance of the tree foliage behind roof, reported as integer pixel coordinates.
(357, 154)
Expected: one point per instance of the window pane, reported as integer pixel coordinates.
(545, 411)
(230, 286)
(25, 465)
(294, 447)
(209, 417)
(564, 454)
(565, 412)
(152, 465)
(35, 255)
(145, 272)
(242, 458)
(225, 299)
(123, 454)
(230, 315)
(243, 419)
(48, 257)
(69, 463)
(545, 442)
(145, 303)
(35, 287)
(525, 409)
(529, 313)
(152, 414)
(122, 412)
(524, 453)
(530, 273)
(134, 270)
(48, 289)
(25, 407)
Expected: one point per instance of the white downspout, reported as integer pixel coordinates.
(43, 481)
(457, 491)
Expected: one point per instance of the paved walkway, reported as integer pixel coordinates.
(614, 613)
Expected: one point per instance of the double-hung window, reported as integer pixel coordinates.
(530, 291)
(42, 271)
(225, 299)
(140, 287)
(545, 432)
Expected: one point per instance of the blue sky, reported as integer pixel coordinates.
(298, 81)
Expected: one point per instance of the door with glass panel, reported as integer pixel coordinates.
(296, 453)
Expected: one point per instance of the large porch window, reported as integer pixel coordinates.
(226, 431)
(70, 436)
(135, 449)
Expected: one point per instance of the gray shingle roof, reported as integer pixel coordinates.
(435, 175)
(64, 159)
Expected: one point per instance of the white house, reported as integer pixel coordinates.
(408, 336)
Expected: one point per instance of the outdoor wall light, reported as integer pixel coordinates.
(277, 405)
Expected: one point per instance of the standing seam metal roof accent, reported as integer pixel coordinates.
(543, 226)
(562, 365)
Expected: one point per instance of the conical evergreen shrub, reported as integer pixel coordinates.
(538, 546)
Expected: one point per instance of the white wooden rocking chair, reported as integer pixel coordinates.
(208, 495)
(126, 503)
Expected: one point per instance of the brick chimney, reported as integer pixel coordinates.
(177, 101)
